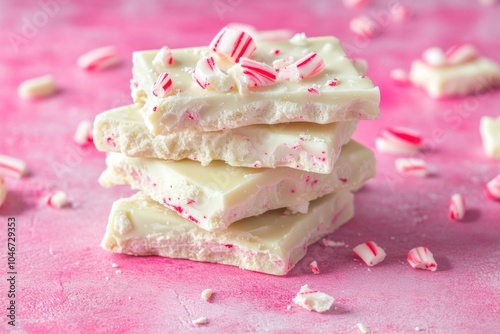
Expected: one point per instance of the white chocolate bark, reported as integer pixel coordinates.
(467, 78)
(305, 146)
(271, 243)
(217, 195)
(354, 97)
(490, 133)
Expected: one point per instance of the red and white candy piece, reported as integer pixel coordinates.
(307, 66)
(460, 54)
(37, 87)
(356, 3)
(163, 85)
(364, 26)
(257, 74)
(434, 56)
(456, 207)
(400, 13)
(208, 75)
(163, 57)
(421, 258)
(398, 140)
(12, 166)
(313, 300)
(370, 253)
(98, 59)
(492, 189)
(411, 166)
(3, 190)
(314, 267)
(233, 44)
(57, 199)
(83, 133)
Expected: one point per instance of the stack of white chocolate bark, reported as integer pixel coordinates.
(241, 151)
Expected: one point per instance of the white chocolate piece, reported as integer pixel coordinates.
(353, 98)
(37, 87)
(313, 300)
(422, 258)
(3, 191)
(83, 133)
(490, 133)
(12, 166)
(98, 59)
(310, 147)
(471, 77)
(271, 243)
(370, 253)
(206, 294)
(411, 166)
(217, 195)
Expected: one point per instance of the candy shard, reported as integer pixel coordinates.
(164, 57)
(422, 258)
(208, 75)
(200, 321)
(12, 166)
(3, 191)
(398, 140)
(362, 328)
(57, 199)
(492, 188)
(206, 294)
(400, 13)
(456, 207)
(163, 85)
(308, 66)
(370, 253)
(233, 44)
(364, 26)
(257, 74)
(356, 3)
(83, 133)
(98, 59)
(313, 300)
(314, 267)
(37, 87)
(411, 166)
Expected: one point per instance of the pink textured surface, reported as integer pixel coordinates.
(62, 286)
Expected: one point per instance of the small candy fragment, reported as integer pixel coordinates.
(400, 13)
(490, 134)
(12, 166)
(411, 166)
(206, 294)
(257, 74)
(398, 140)
(233, 44)
(208, 75)
(399, 75)
(421, 258)
(362, 328)
(356, 3)
(370, 253)
(313, 300)
(83, 133)
(163, 85)
(492, 189)
(57, 199)
(364, 26)
(314, 267)
(460, 54)
(200, 321)
(164, 57)
(456, 207)
(3, 191)
(307, 66)
(434, 57)
(37, 87)
(331, 243)
(98, 59)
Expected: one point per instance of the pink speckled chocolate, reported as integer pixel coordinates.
(62, 285)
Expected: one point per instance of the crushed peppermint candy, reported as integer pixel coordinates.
(313, 300)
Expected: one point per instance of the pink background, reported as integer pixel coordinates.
(62, 286)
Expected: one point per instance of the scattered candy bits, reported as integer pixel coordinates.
(421, 258)
(200, 321)
(163, 58)
(398, 140)
(163, 85)
(208, 75)
(98, 59)
(83, 133)
(492, 189)
(37, 87)
(456, 207)
(370, 253)
(364, 26)
(3, 191)
(233, 44)
(313, 300)
(206, 294)
(314, 267)
(362, 328)
(411, 166)
(356, 3)
(12, 166)
(57, 199)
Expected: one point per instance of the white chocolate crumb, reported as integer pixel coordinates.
(330, 243)
(362, 328)
(37, 87)
(299, 208)
(206, 294)
(313, 300)
(200, 321)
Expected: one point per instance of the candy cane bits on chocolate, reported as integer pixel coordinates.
(233, 44)
(163, 85)
(257, 74)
